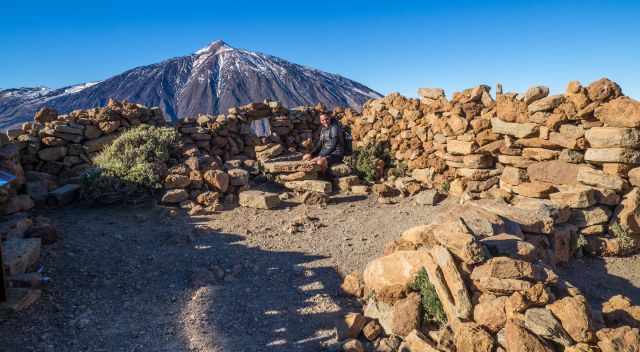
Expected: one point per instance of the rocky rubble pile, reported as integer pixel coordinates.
(578, 152)
(471, 281)
(22, 238)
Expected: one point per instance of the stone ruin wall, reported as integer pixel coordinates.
(577, 151)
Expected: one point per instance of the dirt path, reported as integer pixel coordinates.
(141, 279)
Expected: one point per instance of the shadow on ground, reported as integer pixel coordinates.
(140, 280)
(268, 301)
(599, 278)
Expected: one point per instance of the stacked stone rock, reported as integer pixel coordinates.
(230, 136)
(11, 199)
(230, 140)
(496, 292)
(432, 135)
(22, 238)
(576, 151)
(63, 145)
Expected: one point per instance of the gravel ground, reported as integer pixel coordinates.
(149, 279)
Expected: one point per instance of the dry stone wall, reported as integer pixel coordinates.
(576, 152)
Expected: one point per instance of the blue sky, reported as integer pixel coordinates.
(387, 45)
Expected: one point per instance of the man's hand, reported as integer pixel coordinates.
(306, 157)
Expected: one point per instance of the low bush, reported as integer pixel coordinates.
(365, 159)
(132, 163)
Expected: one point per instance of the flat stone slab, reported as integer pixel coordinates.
(279, 167)
(258, 199)
(18, 299)
(64, 195)
(310, 185)
(18, 254)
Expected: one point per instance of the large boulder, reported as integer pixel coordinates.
(575, 316)
(627, 214)
(398, 268)
(603, 89)
(258, 199)
(621, 112)
(622, 339)
(541, 322)
(473, 338)
(518, 338)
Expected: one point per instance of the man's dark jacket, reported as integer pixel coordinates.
(331, 141)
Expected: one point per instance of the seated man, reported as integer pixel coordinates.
(329, 149)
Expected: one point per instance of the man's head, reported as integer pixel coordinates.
(325, 120)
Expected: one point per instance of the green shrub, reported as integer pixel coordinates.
(364, 159)
(131, 162)
(626, 241)
(431, 305)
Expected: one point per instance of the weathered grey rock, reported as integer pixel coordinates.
(258, 199)
(541, 322)
(597, 178)
(323, 187)
(613, 137)
(407, 315)
(589, 216)
(620, 112)
(174, 196)
(431, 93)
(461, 147)
(612, 155)
(64, 195)
(417, 342)
(20, 254)
(575, 316)
(510, 245)
(546, 104)
(455, 283)
(383, 312)
(290, 166)
(398, 268)
(513, 175)
(534, 93)
(53, 153)
(238, 177)
(518, 338)
(428, 197)
(518, 130)
(556, 172)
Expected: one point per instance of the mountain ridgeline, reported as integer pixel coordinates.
(211, 80)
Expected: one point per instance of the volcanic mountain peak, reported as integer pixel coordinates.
(209, 81)
(214, 48)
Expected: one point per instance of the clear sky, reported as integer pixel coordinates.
(387, 45)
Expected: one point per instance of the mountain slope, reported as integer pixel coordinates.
(209, 81)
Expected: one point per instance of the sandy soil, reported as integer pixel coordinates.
(145, 279)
